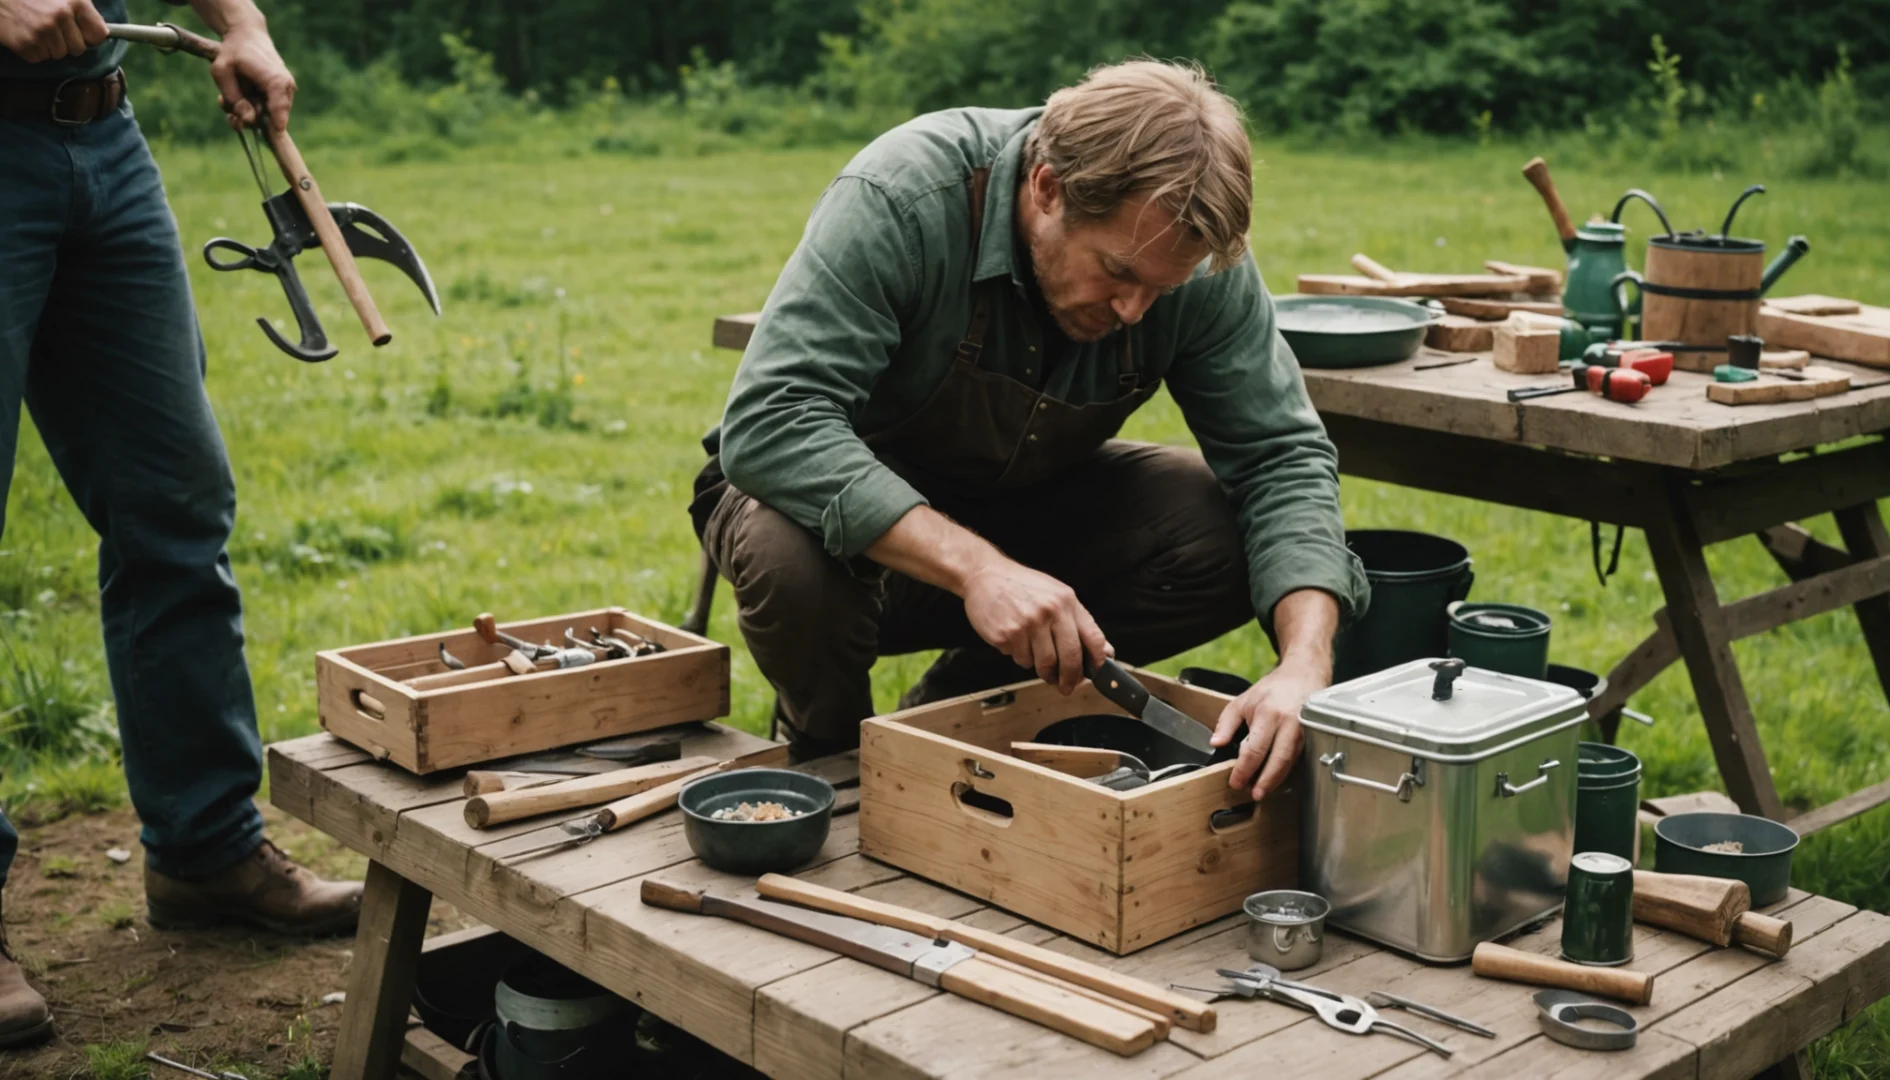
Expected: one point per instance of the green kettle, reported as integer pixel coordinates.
(1597, 254)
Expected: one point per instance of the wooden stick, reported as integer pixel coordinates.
(1537, 173)
(1764, 933)
(485, 811)
(1071, 760)
(513, 664)
(309, 194)
(1372, 268)
(1178, 1008)
(1702, 908)
(658, 799)
(1493, 961)
(1162, 1023)
(488, 782)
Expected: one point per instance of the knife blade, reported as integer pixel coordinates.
(1127, 691)
(948, 966)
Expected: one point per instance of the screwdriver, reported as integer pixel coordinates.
(1624, 385)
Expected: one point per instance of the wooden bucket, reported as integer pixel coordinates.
(1701, 292)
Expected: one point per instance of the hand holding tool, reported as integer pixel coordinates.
(300, 219)
(1126, 989)
(1125, 690)
(949, 966)
(1493, 961)
(486, 811)
(1710, 909)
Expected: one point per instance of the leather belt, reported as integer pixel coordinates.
(68, 102)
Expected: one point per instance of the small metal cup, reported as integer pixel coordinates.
(1285, 927)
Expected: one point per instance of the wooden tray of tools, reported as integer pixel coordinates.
(366, 696)
(942, 796)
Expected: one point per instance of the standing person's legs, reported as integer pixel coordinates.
(35, 190)
(117, 389)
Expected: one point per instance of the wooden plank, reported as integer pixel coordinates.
(1850, 806)
(1862, 337)
(430, 1057)
(1542, 279)
(1814, 382)
(1700, 632)
(1813, 304)
(1726, 507)
(733, 331)
(380, 978)
(801, 1022)
(1180, 869)
(1861, 526)
(948, 1036)
(1820, 984)
(1413, 285)
(1483, 308)
(1458, 333)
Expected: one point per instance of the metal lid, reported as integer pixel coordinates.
(1600, 862)
(1444, 708)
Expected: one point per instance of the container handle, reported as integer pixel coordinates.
(1335, 764)
(1505, 789)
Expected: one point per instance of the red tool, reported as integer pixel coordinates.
(1624, 385)
(1656, 364)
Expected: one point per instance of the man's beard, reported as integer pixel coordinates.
(1079, 324)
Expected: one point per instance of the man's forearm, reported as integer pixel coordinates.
(1305, 621)
(224, 15)
(928, 546)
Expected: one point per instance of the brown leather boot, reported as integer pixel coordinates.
(24, 1017)
(267, 889)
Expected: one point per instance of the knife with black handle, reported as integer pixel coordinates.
(1127, 691)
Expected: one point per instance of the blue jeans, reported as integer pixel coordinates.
(98, 336)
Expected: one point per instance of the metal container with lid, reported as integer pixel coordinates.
(1439, 804)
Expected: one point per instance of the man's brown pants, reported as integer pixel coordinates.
(1143, 533)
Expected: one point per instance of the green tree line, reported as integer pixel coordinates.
(1436, 66)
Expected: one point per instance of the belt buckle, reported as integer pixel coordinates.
(57, 96)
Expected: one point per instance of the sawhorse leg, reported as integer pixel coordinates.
(380, 982)
(1700, 632)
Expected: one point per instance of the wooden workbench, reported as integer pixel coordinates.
(794, 1010)
(1688, 471)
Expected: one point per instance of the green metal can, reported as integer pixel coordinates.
(1598, 916)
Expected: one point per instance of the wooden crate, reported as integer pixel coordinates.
(362, 699)
(1121, 870)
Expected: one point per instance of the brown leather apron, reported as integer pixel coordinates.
(981, 431)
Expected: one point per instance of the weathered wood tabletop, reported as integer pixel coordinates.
(794, 1010)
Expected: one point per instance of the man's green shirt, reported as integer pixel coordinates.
(862, 325)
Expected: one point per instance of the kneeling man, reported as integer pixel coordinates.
(919, 448)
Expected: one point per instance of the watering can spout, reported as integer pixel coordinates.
(1795, 249)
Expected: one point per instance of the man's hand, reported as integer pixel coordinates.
(39, 30)
(247, 64)
(1030, 616)
(1305, 622)
(1034, 619)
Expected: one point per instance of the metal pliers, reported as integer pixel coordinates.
(1347, 1013)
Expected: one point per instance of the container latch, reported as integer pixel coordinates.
(1447, 672)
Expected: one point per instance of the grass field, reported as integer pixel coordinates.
(532, 451)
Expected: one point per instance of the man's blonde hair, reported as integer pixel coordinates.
(1147, 127)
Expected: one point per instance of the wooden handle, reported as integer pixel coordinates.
(514, 663)
(1764, 933)
(1703, 908)
(1537, 173)
(309, 194)
(484, 811)
(1073, 760)
(1162, 1023)
(482, 782)
(1178, 1008)
(674, 897)
(1032, 999)
(368, 705)
(1375, 270)
(486, 627)
(1493, 961)
(654, 801)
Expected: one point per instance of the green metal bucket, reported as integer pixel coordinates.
(1414, 577)
(1607, 799)
(1508, 638)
